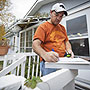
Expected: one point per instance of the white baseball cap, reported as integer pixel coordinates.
(59, 7)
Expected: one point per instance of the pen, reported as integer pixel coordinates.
(53, 50)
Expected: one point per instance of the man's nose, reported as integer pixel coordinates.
(59, 18)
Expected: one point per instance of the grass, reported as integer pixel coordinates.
(1, 65)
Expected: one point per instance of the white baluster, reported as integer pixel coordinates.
(33, 66)
(37, 66)
(29, 62)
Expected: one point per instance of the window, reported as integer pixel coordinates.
(26, 40)
(77, 26)
(29, 38)
(80, 47)
(29, 41)
(22, 41)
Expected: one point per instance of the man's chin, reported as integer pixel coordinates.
(55, 24)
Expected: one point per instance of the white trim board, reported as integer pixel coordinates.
(75, 63)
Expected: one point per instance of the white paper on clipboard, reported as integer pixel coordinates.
(69, 63)
(73, 60)
(65, 59)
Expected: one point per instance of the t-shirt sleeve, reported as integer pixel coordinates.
(39, 34)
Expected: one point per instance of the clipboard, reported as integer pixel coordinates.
(69, 63)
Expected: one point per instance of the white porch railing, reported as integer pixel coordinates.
(24, 64)
(27, 65)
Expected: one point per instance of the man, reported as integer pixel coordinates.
(50, 40)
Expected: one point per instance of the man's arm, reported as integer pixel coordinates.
(69, 48)
(47, 56)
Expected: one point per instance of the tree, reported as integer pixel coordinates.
(2, 4)
(2, 32)
(6, 17)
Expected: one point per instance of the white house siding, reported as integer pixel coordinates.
(14, 43)
(68, 3)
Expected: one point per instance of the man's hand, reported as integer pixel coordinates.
(69, 49)
(51, 56)
(70, 52)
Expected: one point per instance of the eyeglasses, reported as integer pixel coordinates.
(58, 14)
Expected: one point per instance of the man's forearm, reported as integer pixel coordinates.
(38, 49)
(68, 46)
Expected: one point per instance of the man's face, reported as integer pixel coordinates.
(56, 17)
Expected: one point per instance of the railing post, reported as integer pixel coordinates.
(29, 62)
(18, 70)
(23, 67)
(37, 66)
(33, 66)
(5, 61)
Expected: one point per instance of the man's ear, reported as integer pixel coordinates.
(50, 12)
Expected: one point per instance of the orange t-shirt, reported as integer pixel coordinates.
(52, 37)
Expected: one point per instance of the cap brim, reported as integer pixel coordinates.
(65, 12)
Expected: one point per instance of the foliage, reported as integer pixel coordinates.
(3, 40)
(32, 82)
(2, 4)
(2, 32)
(6, 17)
(1, 65)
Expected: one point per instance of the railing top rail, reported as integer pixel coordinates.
(16, 55)
(12, 66)
(29, 54)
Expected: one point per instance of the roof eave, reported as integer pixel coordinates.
(37, 6)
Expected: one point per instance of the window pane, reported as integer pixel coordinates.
(26, 46)
(22, 42)
(21, 49)
(28, 49)
(80, 47)
(29, 38)
(77, 25)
